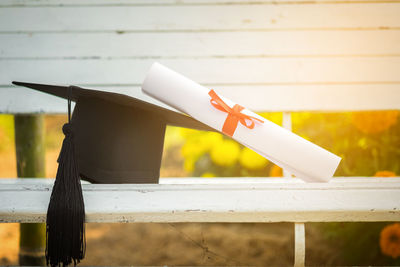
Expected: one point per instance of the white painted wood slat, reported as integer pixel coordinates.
(258, 98)
(16, 100)
(208, 70)
(242, 202)
(165, 2)
(201, 44)
(204, 18)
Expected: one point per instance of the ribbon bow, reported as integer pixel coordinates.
(234, 115)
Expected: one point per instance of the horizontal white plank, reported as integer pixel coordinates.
(258, 98)
(166, 2)
(200, 44)
(200, 17)
(15, 100)
(266, 201)
(315, 97)
(354, 182)
(234, 71)
(336, 182)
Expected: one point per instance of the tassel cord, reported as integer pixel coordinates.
(65, 224)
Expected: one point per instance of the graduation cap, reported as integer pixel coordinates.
(110, 138)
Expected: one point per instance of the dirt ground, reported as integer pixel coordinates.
(209, 244)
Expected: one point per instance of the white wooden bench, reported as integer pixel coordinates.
(269, 56)
(217, 200)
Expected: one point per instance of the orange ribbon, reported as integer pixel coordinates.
(234, 115)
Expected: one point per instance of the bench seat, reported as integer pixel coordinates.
(214, 200)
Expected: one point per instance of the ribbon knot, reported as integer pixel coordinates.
(234, 115)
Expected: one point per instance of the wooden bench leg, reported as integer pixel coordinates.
(299, 244)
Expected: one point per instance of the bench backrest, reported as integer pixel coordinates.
(268, 56)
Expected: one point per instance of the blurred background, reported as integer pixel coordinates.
(334, 65)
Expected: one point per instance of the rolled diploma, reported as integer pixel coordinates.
(284, 148)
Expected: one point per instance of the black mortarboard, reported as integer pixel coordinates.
(118, 138)
(111, 138)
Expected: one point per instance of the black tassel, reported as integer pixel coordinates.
(65, 225)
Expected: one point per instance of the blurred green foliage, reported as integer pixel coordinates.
(6, 132)
(364, 151)
(357, 243)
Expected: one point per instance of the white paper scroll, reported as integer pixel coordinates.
(286, 149)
